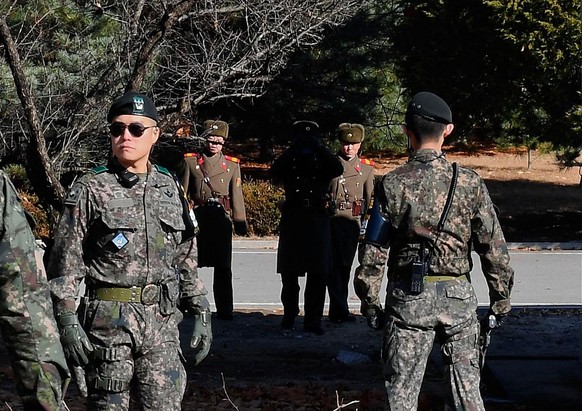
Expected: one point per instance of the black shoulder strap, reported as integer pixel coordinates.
(445, 212)
(450, 196)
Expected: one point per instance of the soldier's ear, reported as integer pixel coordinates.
(448, 130)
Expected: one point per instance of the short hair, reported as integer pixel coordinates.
(423, 128)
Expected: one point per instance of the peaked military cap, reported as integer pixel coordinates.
(431, 107)
(305, 128)
(350, 133)
(133, 103)
(217, 128)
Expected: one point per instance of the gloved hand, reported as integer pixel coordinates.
(202, 331)
(375, 318)
(240, 228)
(201, 335)
(75, 343)
(492, 320)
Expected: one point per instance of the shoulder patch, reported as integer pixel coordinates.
(163, 170)
(99, 170)
(233, 159)
(190, 154)
(366, 161)
(73, 195)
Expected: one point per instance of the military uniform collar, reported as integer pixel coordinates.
(426, 155)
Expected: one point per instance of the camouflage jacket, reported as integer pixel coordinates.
(111, 235)
(26, 311)
(413, 197)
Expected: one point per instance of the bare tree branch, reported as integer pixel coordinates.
(38, 166)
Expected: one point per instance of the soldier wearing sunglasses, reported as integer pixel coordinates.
(126, 231)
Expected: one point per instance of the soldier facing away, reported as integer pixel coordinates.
(351, 192)
(213, 181)
(305, 170)
(431, 214)
(126, 231)
(29, 329)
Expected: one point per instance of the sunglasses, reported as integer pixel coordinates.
(135, 129)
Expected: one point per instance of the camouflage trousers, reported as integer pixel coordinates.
(445, 310)
(137, 356)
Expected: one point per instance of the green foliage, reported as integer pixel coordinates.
(17, 175)
(509, 70)
(348, 77)
(262, 201)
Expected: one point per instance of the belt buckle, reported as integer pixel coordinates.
(150, 294)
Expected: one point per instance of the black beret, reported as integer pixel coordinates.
(431, 107)
(305, 128)
(133, 103)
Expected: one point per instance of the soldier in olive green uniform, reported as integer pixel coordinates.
(431, 214)
(28, 327)
(127, 232)
(305, 170)
(351, 192)
(213, 182)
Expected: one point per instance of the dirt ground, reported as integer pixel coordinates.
(254, 365)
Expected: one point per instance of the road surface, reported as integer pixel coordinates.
(541, 278)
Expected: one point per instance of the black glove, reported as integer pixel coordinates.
(202, 331)
(375, 318)
(240, 228)
(201, 335)
(75, 343)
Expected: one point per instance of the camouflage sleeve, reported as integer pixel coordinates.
(369, 276)
(489, 243)
(67, 268)
(183, 173)
(191, 285)
(26, 311)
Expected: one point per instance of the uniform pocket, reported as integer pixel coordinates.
(460, 290)
(169, 297)
(117, 234)
(401, 294)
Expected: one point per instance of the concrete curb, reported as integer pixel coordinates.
(271, 244)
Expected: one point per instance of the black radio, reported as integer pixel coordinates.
(418, 270)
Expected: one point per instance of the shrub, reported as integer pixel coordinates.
(262, 201)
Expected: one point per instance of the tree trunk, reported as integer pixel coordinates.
(38, 165)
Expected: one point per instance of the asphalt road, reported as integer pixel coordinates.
(544, 277)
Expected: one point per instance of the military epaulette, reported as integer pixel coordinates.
(163, 170)
(233, 159)
(99, 170)
(366, 161)
(190, 154)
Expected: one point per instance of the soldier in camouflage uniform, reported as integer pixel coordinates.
(26, 311)
(351, 192)
(305, 170)
(429, 291)
(213, 181)
(126, 231)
